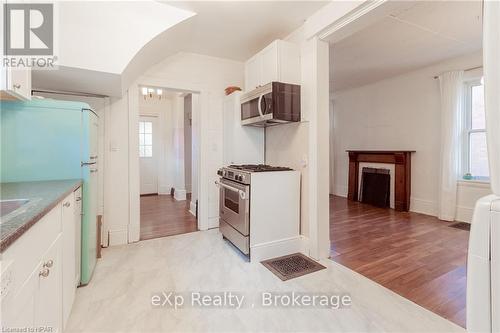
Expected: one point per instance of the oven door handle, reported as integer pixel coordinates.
(240, 192)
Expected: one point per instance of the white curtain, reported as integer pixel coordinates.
(451, 87)
(491, 59)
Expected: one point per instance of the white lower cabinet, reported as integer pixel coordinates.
(69, 255)
(48, 306)
(41, 272)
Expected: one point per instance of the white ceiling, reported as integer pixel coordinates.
(122, 39)
(239, 29)
(105, 35)
(417, 35)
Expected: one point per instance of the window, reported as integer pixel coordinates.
(145, 139)
(475, 153)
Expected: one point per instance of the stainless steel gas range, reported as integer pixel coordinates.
(248, 192)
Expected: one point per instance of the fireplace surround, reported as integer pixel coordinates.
(402, 173)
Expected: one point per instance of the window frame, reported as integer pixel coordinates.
(144, 134)
(467, 130)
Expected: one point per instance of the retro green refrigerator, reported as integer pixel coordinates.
(48, 140)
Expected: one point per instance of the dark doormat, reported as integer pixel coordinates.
(292, 266)
(461, 225)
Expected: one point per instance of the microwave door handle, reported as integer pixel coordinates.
(240, 192)
(259, 106)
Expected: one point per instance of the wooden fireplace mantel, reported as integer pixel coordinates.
(402, 162)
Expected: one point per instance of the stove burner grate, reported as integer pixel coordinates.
(258, 168)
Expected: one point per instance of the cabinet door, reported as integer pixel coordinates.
(19, 309)
(289, 62)
(78, 234)
(68, 254)
(253, 68)
(48, 309)
(19, 83)
(269, 66)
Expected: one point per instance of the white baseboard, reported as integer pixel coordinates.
(275, 249)
(464, 214)
(164, 190)
(118, 237)
(427, 207)
(304, 245)
(422, 206)
(213, 222)
(340, 190)
(192, 208)
(179, 194)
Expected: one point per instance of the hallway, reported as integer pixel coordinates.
(162, 215)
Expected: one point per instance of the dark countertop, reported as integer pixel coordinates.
(42, 196)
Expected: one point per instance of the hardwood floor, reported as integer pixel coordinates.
(417, 256)
(162, 215)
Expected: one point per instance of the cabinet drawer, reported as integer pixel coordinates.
(27, 251)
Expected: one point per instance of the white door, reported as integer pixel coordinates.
(148, 154)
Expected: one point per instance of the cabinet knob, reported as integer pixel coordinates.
(17, 86)
(78, 198)
(44, 272)
(49, 263)
(67, 204)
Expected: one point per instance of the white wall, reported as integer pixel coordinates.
(116, 176)
(400, 113)
(184, 71)
(288, 145)
(300, 147)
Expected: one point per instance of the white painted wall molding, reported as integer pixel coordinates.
(423, 206)
(340, 190)
(315, 78)
(304, 244)
(134, 222)
(213, 222)
(118, 237)
(359, 9)
(180, 194)
(275, 249)
(192, 208)
(464, 214)
(491, 54)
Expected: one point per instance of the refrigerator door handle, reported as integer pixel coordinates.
(88, 163)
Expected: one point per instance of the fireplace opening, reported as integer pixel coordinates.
(375, 187)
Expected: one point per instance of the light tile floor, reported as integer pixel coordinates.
(118, 299)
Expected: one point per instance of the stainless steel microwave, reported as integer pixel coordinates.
(272, 104)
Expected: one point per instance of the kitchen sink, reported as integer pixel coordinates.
(8, 206)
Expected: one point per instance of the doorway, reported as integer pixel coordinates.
(165, 149)
(392, 103)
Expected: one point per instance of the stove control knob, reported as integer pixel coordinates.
(219, 172)
(241, 178)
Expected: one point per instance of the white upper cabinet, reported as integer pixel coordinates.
(16, 83)
(279, 61)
